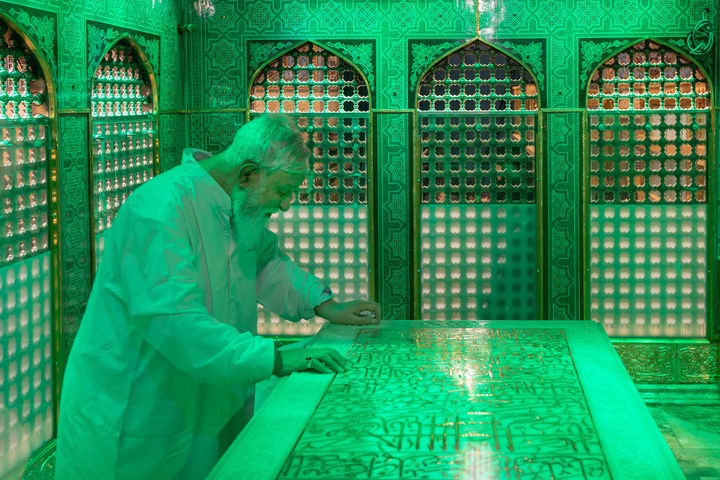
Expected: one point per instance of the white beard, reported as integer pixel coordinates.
(248, 217)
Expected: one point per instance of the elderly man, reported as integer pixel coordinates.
(167, 352)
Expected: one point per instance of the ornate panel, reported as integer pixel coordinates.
(478, 125)
(26, 276)
(662, 363)
(329, 97)
(649, 117)
(394, 271)
(564, 267)
(123, 131)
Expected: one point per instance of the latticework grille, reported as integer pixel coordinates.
(478, 127)
(26, 393)
(650, 128)
(123, 133)
(309, 79)
(24, 149)
(326, 229)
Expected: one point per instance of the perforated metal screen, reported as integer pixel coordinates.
(26, 393)
(123, 133)
(478, 174)
(649, 134)
(326, 230)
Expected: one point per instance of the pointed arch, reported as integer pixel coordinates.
(328, 228)
(309, 78)
(477, 165)
(30, 256)
(649, 134)
(124, 103)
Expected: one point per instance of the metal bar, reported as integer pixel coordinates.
(202, 110)
(74, 111)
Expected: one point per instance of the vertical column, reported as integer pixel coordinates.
(394, 206)
(564, 271)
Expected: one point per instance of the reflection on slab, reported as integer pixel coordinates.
(453, 403)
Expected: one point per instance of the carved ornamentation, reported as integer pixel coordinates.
(42, 29)
(423, 55)
(593, 52)
(531, 54)
(360, 55)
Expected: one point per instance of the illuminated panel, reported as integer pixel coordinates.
(326, 229)
(479, 262)
(26, 400)
(478, 124)
(648, 270)
(123, 132)
(649, 133)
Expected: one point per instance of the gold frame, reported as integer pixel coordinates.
(371, 173)
(54, 224)
(145, 61)
(539, 190)
(710, 238)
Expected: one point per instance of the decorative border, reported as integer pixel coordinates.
(670, 363)
(360, 53)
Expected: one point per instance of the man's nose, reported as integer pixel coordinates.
(285, 204)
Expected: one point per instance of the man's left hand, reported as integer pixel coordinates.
(357, 312)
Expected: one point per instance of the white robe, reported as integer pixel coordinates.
(167, 351)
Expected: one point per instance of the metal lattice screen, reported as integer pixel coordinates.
(123, 133)
(26, 393)
(325, 231)
(478, 125)
(649, 131)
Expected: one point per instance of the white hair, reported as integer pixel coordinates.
(272, 142)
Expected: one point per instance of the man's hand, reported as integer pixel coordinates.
(324, 360)
(358, 312)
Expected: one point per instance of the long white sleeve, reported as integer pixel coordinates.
(282, 286)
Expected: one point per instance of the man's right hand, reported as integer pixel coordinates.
(323, 360)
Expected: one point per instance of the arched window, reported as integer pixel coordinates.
(477, 113)
(123, 132)
(326, 231)
(27, 118)
(650, 125)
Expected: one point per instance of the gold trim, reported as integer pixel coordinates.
(541, 287)
(74, 111)
(416, 214)
(712, 240)
(371, 185)
(42, 455)
(585, 216)
(393, 110)
(202, 110)
(58, 354)
(562, 110)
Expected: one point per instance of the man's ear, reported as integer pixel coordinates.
(248, 174)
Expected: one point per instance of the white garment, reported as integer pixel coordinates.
(167, 351)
